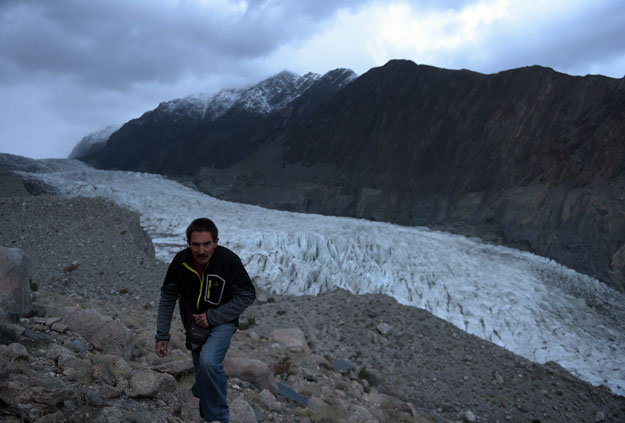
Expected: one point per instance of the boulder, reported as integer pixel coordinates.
(176, 368)
(106, 334)
(292, 338)
(17, 351)
(15, 292)
(101, 372)
(253, 371)
(359, 414)
(148, 383)
(242, 412)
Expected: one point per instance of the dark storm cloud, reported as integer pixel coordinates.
(117, 43)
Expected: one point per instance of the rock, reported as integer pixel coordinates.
(93, 399)
(175, 368)
(77, 346)
(59, 327)
(15, 292)
(104, 333)
(292, 338)
(373, 337)
(101, 372)
(308, 376)
(148, 383)
(321, 361)
(33, 397)
(254, 371)
(342, 366)
(242, 412)
(190, 411)
(290, 394)
(469, 417)
(359, 414)
(54, 351)
(10, 333)
(268, 400)
(36, 336)
(384, 328)
(600, 416)
(120, 367)
(73, 367)
(17, 351)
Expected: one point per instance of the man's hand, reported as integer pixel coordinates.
(201, 320)
(161, 348)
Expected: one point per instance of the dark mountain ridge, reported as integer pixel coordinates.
(528, 157)
(182, 135)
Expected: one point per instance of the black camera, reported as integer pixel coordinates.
(196, 337)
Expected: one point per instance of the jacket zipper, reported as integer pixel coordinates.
(199, 297)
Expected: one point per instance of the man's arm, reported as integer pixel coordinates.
(243, 295)
(166, 305)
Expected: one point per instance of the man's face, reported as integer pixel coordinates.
(202, 246)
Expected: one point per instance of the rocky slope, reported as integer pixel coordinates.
(356, 358)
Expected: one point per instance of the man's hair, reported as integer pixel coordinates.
(202, 225)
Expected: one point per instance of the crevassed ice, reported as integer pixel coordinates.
(528, 304)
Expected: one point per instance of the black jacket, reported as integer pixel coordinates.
(223, 291)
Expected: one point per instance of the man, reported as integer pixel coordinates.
(213, 288)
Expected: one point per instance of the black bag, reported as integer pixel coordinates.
(196, 337)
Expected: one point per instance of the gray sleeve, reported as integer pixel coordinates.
(231, 310)
(166, 305)
(243, 295)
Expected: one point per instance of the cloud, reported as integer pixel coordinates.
(117, 43)
(75, 66)
(487, 36)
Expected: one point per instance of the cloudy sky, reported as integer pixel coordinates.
(72, 67)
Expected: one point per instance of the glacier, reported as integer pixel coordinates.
(527, 304)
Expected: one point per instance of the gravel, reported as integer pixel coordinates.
(87, 248)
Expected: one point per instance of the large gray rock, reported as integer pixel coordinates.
(176, 368)
(242, 412)
(292, 338)
(15, 292)
(106, 334)
(148, 383)
(254, 371)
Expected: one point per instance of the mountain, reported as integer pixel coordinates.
(223, 128)
(93, 142)
(529, 157)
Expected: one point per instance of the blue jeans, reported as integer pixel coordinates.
(211, 385)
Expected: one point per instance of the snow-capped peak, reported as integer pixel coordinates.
(93, 142)
(269, 95)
